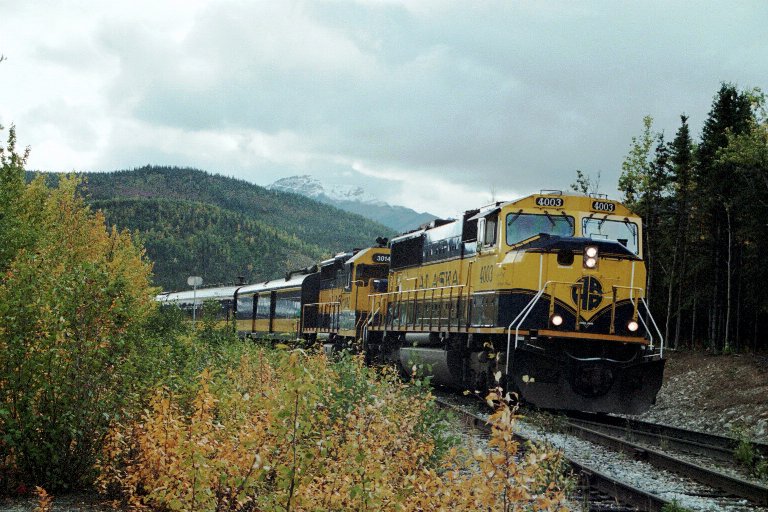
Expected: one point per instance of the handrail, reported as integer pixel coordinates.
(641, 299)
(415, 297)
(334, 312)
(653, 320)
(647, 330)
(418, 290)
(371, 317)
(635, 304)
(524, 313)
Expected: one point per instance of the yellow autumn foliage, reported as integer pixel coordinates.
(74, 296)
(292, 431)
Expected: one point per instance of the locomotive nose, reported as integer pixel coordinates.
(592, 380)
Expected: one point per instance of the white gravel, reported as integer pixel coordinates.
(637, 473)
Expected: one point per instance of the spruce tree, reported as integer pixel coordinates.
(717, 193)
(681, 155)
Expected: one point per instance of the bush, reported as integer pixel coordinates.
(72, 299)
(746, 455)
(290, 431)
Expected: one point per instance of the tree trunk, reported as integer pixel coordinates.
(693, 320)
(737, 337)
(754, 334)
(726, 331)
(681, 279)
(669, 295)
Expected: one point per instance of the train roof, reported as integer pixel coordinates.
(275, 284)
(362, 253)
(597, 204)
(202, 294)
(341, 257)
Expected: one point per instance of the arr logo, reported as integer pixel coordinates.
(590, 293)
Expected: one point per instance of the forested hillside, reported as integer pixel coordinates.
(217, 244)
(220, 228)
(704, 207)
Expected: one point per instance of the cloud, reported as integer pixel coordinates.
(437, 101)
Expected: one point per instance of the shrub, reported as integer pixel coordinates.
(747, 455)
(291, 431)
(72, 298)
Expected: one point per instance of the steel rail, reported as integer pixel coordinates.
(660, 440)
(596, 480)
(753, 492)
(693, 438)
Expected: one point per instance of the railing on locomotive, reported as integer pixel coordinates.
(523, 315)
(412, 294)
(331, 308)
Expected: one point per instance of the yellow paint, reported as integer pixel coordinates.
(503, 267)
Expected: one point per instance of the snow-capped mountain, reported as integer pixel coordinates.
(353, 199)
(312, 187)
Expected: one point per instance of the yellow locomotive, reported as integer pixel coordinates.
(548, 290)
(342, 312)
(546, 293)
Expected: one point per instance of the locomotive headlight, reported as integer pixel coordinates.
(590, 257)
(633, 326)
(556, 320)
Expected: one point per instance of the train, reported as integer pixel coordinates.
(544, 294)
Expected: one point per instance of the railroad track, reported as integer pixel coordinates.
(672, 438)
(619, 435)
(665, 436)
(595, 480)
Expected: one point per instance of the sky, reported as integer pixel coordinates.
(440, 106)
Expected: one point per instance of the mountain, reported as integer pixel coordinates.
(354, 200)
(312, 187)
(220, 228)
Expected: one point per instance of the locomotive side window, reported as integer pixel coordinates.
(621, 231)
(521, 226)
(367, 272)
(491, 224)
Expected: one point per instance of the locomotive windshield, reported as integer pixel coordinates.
(621, 231)
(521, 226)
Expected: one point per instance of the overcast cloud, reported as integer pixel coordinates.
(436, 105)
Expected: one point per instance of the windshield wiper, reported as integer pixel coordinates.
(513, 219)
(551, 220)
(567, 218)
(631, 227)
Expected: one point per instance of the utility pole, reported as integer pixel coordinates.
(194, 282)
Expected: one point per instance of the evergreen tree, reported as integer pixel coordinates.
(643, 181)
(13, 232)
(681, 155)
(717, 193)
